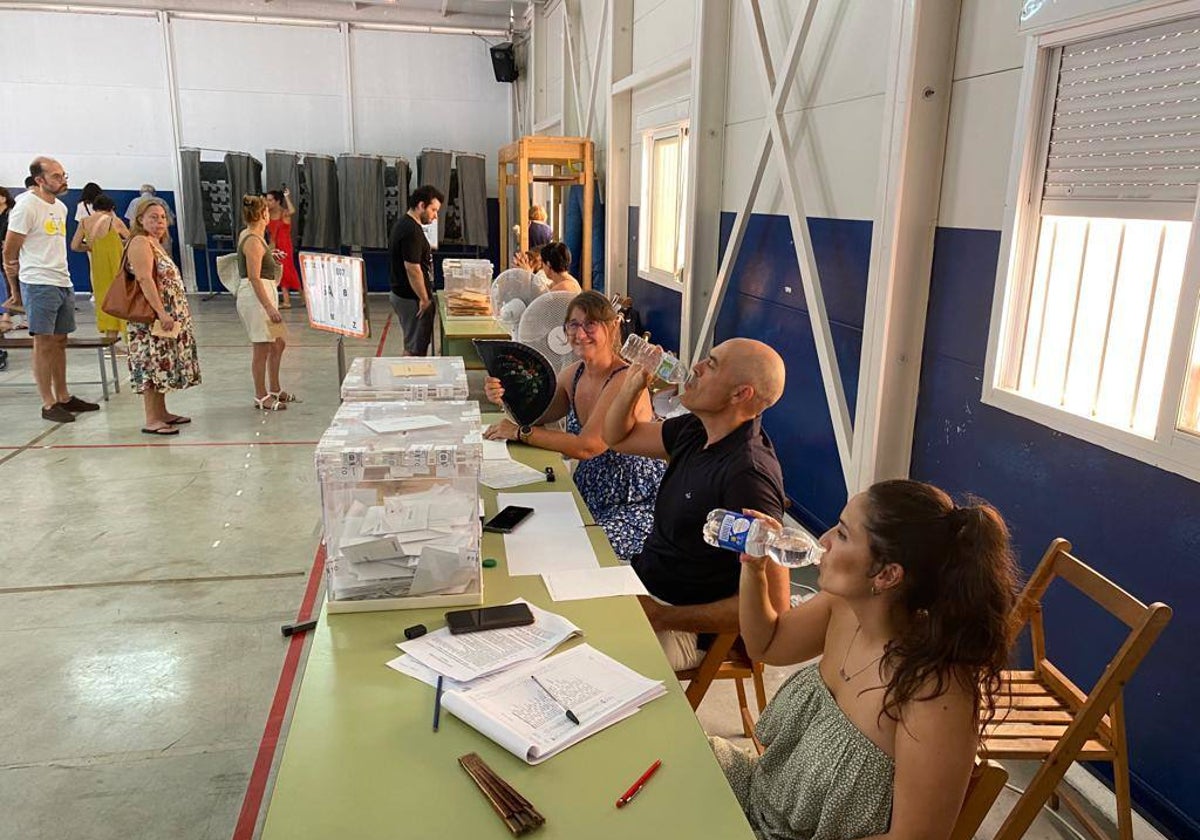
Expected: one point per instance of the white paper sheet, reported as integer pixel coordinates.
(500, 474)
(534, 551)
(404, 514)
(581, 584)
(386, 425)
(473, 655)
(550, 510)
(444, 569)
(496, 450)
(369, 549)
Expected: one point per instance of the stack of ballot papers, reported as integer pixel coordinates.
(420, 543)
(500, 471)
(489, 683)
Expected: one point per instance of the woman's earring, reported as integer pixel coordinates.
(874, 590)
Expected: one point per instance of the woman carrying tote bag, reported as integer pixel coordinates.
(256, 296)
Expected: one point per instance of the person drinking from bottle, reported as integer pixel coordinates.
(718, 457)
(913, 624)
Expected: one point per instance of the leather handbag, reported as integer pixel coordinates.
(125, 298)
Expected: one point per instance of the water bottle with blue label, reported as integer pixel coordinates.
(790, 547)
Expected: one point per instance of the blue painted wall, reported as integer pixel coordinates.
(1135, 524)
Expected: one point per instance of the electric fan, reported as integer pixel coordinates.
(512, 291)
(541, 327)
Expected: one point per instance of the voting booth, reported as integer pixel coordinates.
(400, 505)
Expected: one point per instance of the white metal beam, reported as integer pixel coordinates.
(917, 114)
(664, 68)
(186, 254)
(620, 128)
(591, 108)
(569, 59)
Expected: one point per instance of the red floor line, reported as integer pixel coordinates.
(387, 325)
(179, 445)
(255, 790)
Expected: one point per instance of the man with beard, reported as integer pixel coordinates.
(412, 270)
(35, 253)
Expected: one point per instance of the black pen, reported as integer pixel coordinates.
(570, 715)
(437, 704)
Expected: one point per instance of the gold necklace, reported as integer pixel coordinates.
(842, 670)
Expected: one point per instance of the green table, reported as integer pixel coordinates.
(361, 759)
(455, 334)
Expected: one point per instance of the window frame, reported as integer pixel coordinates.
(679, 129)
(1170, 449)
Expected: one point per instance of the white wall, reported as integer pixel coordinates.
(241, 86)
(98, 102)
(983, 107)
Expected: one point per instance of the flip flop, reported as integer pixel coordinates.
(179, 420)
(164, 431)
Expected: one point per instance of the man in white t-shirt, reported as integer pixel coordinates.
(35, 252)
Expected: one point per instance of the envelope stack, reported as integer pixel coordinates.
(468, 287)
(400, 504)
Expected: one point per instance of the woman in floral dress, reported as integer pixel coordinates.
(158, 364)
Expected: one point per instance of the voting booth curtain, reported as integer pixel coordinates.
(396, 190)
(361, 201)
(322, 225)
(193, 232)
(245, 178)
(433, 168)
(472, 198)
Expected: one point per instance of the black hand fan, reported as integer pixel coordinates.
(527, 376)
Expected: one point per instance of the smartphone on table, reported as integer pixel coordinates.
(488, 618)
(508, 519)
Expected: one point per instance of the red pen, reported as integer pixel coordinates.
(637, 786)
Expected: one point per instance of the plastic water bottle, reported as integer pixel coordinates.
(790, 547)
(662, 364)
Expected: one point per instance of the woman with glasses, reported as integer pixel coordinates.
(619, 489)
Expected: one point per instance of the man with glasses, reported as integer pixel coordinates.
(718, 457)
(35, 253)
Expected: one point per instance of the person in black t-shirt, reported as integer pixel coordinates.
(719, 457)
(412, 270)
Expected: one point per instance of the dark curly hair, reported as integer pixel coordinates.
(557, 256)
(959, 590)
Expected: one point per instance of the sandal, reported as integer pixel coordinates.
(262, 404)
(283, 396)
(178, 420)
(161, 430)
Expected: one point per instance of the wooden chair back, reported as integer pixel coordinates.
(987, 780)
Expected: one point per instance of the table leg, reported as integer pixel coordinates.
(103, 372)
(112, 355)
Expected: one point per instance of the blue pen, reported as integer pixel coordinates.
(437, 704)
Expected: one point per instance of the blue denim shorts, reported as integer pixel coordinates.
(50, 310)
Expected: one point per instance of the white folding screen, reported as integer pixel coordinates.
(103, 111)
(255, 86)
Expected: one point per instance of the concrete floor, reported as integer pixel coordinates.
(144, 582)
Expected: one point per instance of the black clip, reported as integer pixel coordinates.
(550, 474)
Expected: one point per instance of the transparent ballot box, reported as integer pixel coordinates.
(406, 379)
(400, 505)
(468, 288)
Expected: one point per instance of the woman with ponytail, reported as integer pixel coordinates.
(913, 626)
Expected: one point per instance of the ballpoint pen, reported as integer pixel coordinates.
(570, 715)
(437, 704)
(637, 786)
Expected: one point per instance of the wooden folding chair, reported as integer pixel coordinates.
(1044, 716)
(727, 659)
(987, 780)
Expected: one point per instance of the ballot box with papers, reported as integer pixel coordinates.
(405, 378)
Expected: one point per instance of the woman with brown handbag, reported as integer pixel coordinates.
(162, 355)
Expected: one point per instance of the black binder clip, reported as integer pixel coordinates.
(550, 475)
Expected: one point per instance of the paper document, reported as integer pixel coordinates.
(533, 551)
(550, 510)
(500, 474)
(472, 655)
(581, 584)
(520, 715)
(386, 425)
(496, 450)
(413, 369)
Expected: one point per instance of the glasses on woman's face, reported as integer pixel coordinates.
(589, 327)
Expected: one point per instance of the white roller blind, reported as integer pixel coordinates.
(1126, 124)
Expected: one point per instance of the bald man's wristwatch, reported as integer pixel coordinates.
(523, 433)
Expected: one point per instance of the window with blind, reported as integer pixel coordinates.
(1099, 295)
(661, 220)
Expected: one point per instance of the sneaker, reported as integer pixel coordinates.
(76, 404)
(57, 414)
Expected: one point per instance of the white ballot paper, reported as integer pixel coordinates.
(496, 450)
(384, 425)
(500, 473)
(550, 510)
(581, 584)
(530, 550)
(472, 655)
(521, 716)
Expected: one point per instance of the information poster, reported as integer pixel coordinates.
(335, 289)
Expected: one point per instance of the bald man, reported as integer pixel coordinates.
(719, 457)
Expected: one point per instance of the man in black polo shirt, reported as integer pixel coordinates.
(719, 458)
(412, 270)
